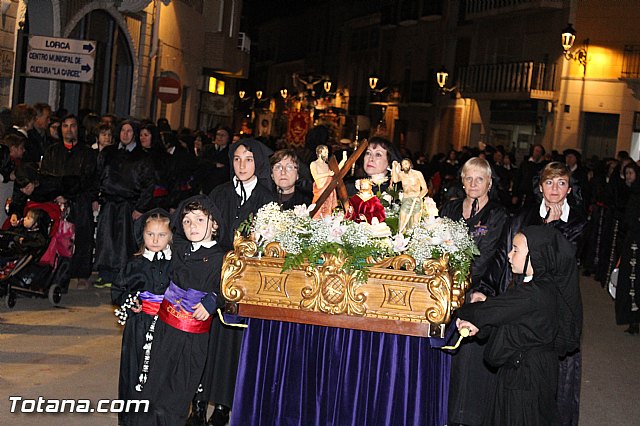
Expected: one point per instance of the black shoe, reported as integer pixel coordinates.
(198, 416)
(220, 416)
(633, 329)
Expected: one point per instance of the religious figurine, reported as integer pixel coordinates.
(414, 189)
(365, 206)
(321, 179)
(308, 84)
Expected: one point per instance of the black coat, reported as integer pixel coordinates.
(628, 291)
(297, 198)
(76, 169)
(488, 228)
(35, 147)
(126, 176)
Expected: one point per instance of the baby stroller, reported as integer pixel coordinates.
(38, 272)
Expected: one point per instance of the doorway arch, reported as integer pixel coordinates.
(115, 64)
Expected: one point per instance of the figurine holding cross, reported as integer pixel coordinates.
(336, 179)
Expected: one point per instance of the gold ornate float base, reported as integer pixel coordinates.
(394, 299)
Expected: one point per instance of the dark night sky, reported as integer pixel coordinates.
(256, 11)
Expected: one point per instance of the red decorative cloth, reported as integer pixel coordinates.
(370, 209)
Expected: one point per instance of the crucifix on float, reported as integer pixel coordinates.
(337, 182)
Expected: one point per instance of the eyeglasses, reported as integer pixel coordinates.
(288, 168)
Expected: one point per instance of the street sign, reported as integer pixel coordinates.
(61, 58)
(168, 89)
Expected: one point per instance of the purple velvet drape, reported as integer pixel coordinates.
(297, 374)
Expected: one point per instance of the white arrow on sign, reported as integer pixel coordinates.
(66, 45)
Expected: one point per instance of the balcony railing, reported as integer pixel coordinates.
(483, 8)
(517, 80)
(631, 62)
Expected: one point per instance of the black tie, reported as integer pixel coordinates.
(474, 207)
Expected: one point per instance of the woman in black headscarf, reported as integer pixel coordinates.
(628, 291)
(125, 183)
(528, 326)
(248, 190)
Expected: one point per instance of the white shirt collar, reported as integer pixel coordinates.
(165, 254)
(206, 244)
(248, 187)
(527, 278)
(565, 210)
(171, 150)
(130, 147)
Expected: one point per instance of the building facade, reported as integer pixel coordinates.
(509, 83)
(139, 46)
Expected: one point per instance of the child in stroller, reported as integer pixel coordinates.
(34, 255)
(31, 236)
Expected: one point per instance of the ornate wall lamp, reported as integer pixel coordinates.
(579, 55)
(441, 77)
(373, 84)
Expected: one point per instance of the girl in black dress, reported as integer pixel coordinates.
(528, 326)
(181, 328)
(146, 272)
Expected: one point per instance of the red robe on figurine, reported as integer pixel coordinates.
(364, 205)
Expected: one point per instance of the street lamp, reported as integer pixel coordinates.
(568, 38)
(284, 93)
(373, 81)
(327, 86)
(441, 77)
(241, 93)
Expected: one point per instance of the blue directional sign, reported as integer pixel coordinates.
(61, 58)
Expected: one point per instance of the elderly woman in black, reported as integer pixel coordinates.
(472, 382)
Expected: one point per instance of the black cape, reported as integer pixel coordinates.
(126, 183)
(224, 346)
(528, 327)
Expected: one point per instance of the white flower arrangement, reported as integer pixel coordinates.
(305, 239)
